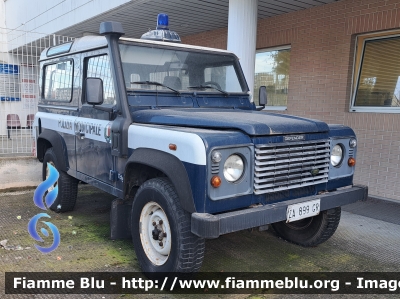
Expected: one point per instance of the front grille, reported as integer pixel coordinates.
(283, 166)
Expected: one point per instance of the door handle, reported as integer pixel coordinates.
(80, 135)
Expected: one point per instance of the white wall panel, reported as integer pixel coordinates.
(49, 16)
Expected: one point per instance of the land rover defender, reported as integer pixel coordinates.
(172, 132)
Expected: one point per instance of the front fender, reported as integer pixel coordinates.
(166, 163)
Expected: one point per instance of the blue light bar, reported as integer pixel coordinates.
(162, 21)
(162, 32)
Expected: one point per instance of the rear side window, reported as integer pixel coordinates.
(58, 81)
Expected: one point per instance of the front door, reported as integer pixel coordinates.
(93, 126)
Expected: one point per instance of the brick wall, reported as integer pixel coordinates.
(322, 43)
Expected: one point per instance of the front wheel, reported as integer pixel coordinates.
(161, 230)
(310, 231)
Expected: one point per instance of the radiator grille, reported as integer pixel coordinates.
(283, 166)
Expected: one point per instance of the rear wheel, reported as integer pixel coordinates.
(310, 231)
(67, 185)
(161, 230)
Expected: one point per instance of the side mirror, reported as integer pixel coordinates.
(94, 91)
(262, 97)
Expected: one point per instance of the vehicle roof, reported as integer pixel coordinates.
(87, 43)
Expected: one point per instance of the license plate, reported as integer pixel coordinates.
(303, 210)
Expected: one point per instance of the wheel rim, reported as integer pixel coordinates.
(48, 174)
(154, 224)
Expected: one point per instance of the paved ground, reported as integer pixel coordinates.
(367, 240)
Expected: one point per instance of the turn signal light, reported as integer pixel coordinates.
(216, 181)
(172, 147)
(351, 162)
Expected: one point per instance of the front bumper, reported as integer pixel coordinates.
(212, 226)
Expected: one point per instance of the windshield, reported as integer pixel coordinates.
(147, 68)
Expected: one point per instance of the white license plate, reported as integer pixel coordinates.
(303, 210)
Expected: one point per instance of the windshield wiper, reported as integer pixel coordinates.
(156, 83)
(209, 86)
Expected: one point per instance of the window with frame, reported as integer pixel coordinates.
(58, 81)
(272, 71)
(99, 67)
(376, 81)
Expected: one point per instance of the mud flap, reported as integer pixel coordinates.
(120, 217)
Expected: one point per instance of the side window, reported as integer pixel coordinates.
(58, 81)
(99, 67)
(377, 74)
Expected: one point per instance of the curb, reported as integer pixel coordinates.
(380, 199)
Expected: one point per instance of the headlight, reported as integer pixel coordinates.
(233, 168)
(337, 155)
(353, 142)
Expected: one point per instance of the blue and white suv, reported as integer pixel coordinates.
(170, 129)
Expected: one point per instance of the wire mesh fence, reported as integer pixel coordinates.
(19, 87)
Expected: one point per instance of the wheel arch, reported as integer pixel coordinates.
(147, 163)
(48, 139)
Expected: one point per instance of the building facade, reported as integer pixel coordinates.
(325, 49)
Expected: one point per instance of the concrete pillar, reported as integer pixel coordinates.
(242, 35)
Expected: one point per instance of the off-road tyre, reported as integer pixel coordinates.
(186, 249)
(67, 185)
(311, 231)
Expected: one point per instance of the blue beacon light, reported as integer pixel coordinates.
(162, 32)
(162, 21)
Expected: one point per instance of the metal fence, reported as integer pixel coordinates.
(19, 87)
